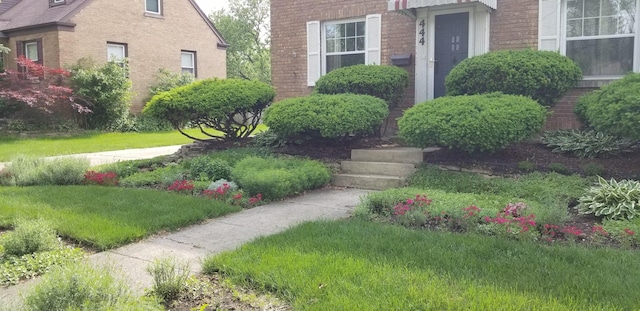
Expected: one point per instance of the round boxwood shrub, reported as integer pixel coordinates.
(326, 116)
(385, 82)
(231, 106)
(542, 75)
(614, 109)
(486, 122)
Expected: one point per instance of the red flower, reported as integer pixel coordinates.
(629, 231)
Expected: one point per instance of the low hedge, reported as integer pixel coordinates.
(614, 109)
(277, 178)
(487, 122)
(542, 75)
(326, 116)
(384, 82)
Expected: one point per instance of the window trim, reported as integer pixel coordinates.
(194, 62)
(147, 11)
(563, 38)
(323, 41)
(125, 51)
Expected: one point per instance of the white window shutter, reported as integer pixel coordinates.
(313, 53)
(549, 25)
(373, 39)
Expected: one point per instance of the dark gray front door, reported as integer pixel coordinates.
(451, 46)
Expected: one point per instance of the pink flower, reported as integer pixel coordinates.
(629, 231)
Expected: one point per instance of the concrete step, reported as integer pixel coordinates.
(377, 168)
(374, 182)
(393, 155)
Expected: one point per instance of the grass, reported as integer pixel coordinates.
(106, 217)
(11, 146)
(354, 265)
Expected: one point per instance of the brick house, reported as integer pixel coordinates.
(311, 37)
(152, 34)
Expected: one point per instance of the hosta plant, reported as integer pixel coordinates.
(586, 144)
(612, 199)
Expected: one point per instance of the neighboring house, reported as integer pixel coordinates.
(151, 34)
(310, 38)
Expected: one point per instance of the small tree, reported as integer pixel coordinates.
(231, 106)
(38, 87)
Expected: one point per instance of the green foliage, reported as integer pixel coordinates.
(357, 265)
(30, 171)
(626, 232)
(28, 237)
(614, 109)
(204, 168)
(160, 176)
(526, 166)
(81, 287)
(612, 200)
(487, 122)
(167, 80)
(542, 75)
(246, 28)
(326, 116)
(593, 169)
(277, 178)
(384, 82)
(127, 168)
(586, 144)
(559, 168)
(145, 123)
(169, 277)
(231, 106)
(106, 91)
(15, 269)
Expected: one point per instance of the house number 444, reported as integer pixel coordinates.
(422, 32)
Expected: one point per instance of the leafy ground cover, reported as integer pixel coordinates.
(47, 145)
(106, 217)
(354, 265)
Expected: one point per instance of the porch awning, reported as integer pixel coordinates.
(397, 5)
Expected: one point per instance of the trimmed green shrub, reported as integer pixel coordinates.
(28, 237)
(81, 287)
(542, 75)
(106, 91)
(487, 122)
(326, 116)
(612, 200)
(277, 178)
(231, 106)
(614, 109)
(586, 144)
(204, 168)
(384, 82)
(30, 171)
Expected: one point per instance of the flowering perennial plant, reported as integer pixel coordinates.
(412, 211)
(515, 209)
(510, 223)
(225, 193)
(182, 186)
(102, 179)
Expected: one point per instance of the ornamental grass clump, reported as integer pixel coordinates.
(28, 237)
(612, 199)
(31, 171)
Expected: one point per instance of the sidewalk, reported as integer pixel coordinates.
(214, 236)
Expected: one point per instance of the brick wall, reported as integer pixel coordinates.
(50, 44)
(152, 42)
(514, 25)
(562, 116)
(289, 39)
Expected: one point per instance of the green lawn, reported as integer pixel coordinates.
(11, 146)
(355, 265)
(106, 217)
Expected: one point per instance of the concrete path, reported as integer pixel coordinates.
(214, 236)
(98, 158)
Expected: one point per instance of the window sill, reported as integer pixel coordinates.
(154, 15)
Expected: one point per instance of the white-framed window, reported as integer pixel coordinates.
(340, 43)
(31, 51)
(601, 36)
(153, 6)
(116, 52)
(344, 44)
(188, 62)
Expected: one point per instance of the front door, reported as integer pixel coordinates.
(451, 47)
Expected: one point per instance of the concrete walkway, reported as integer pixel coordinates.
(214, 236)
